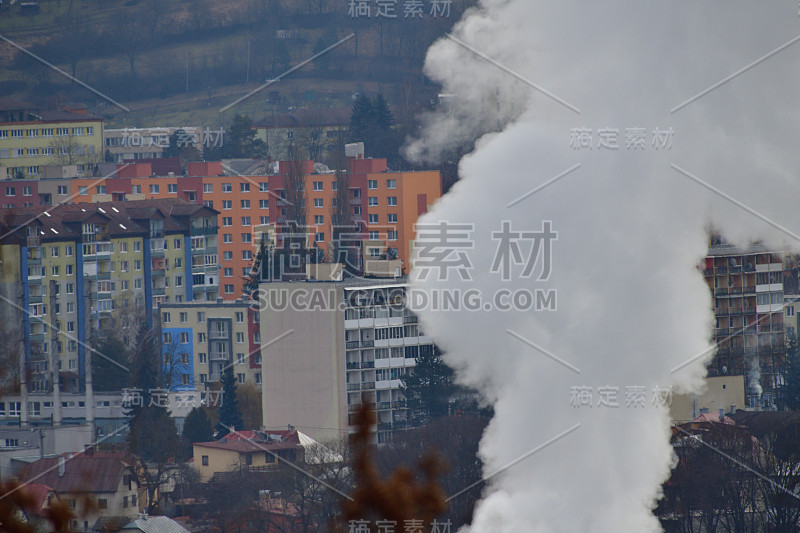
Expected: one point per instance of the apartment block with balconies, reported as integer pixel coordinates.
(333, 346)
(747, 285)
(202, 339)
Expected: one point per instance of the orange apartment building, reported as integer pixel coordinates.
(386, 205)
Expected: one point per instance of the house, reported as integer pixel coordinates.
(107, 478)
(253, 450)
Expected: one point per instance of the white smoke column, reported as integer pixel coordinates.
(632, 304)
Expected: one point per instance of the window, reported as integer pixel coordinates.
(392, 235)
(227, 221)
(227, 238)
(318, 202)
(102, 503)
(319, 220)
(245, 204)
(69, 270)
(226, 187)
(263, 204)
(137, 264)
(263, 186)
(54, 251)
(228, 273)
(227, 255)
(202, 358)
(317, 185)
(201, 337)
(62, 190)
(244, 187)
(179, 281)
(391, 184)
(239, 317)
(372, 184)
(137, 283)
(263, 220)
(246, 237)
(373, 218)
(247, 255)
(374, 235)
(165, 318)
(258, 378)
(392, 218)
(319, 237)
(201, 316)
(77, 132)
(172, 188)
(204, 458)
(184, 337)
(239, 358)
(178, 262)
(184, 317)
(137, 246)
(83, 190)
(391, 200)
(27, 191)
(154, 188)
(70, 290)
(208, 187)
(89, 130)
(227, 204)
(240, 379)
(245, 221)
(357, 210)
(228, 289)
(55, 270)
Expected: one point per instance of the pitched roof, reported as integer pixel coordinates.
(253, 441)
(155, 524)
(88, 473)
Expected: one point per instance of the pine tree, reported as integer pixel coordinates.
(361, 120)
(429, 387)
(197, 427)
(153, 435)
(229, 415)
(790, 390)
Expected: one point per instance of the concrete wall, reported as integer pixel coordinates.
(721, 392)
(304, 371)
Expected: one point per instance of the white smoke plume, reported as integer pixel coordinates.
(631, 303)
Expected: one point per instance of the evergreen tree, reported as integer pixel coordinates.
(153, 435)
(790, 391)
(238, 141)
(109, 366)
(229, 415)
(361, 120)
(196, 428)
(429, 387)
(261, 263)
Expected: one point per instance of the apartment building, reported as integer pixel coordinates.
(384, 206)
(147, 143)
(201, 339)
(32, 138)
(79, 270)
(331, 346)
(747, 287)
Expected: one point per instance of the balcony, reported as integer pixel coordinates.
(160, 273)
(351, 344)
(354, 407)
(367, 385)
(401, 403)
(35, 299)
(205, 230)
(384, 405)
(219, 335)
(159, 291)
(353, 386)
(367, 343)
(353, 366)
(368, 364)
(218, 356)
(410, 319)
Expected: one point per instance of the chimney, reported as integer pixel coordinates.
(62, 464)
(721, 414)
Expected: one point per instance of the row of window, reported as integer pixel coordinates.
(183, 316)
(183, 338)
(34, 133)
